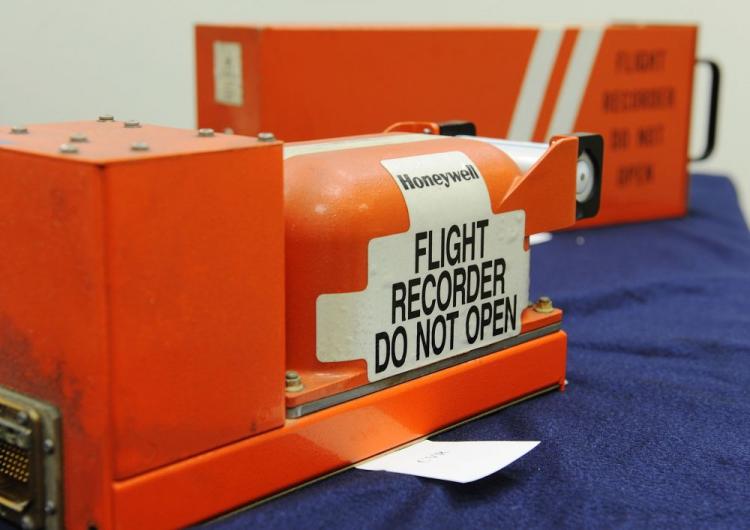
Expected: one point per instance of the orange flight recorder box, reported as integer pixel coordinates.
(631, 83)
(191, 321)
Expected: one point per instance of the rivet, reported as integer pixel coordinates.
(132, 124)
(427, 130)
(228, 130)
(293, 381)
(49, 446)
(19, 129)
(50, 508)
(106, 117)
(266, 137)
(79, 138)
(27, 523)
(139, 146)
(68, 149)
(543, 305)
(206, 133)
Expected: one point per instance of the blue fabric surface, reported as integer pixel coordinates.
(654, 428)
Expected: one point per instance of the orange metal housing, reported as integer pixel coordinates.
(631, 83)
(143, 294)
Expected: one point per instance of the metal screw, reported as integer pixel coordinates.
(106, 117)
(293, 381)
(50, 508)
(22, 417)
(543, 305)
(49, 446)
(68, 149)
(27, 523)
(266, 137)
(206, 133)
(79, 138)
(139, 146)
(19, 129)
(132, 124)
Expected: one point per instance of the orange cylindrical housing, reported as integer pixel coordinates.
(338, 197)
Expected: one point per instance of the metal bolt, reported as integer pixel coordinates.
(106, 117)
(49, 446)
(427, 130)
(19, 129)
(22, 417)
(50, 508)
(79, 138)
(266, 137)
(27, 523)
(543, 305)
(132, 124)
(206, 133)
(139, 146)
(68, 149)
(293, 381)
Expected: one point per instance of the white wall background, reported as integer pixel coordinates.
(66, 60)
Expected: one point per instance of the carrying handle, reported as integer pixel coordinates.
(713, 109)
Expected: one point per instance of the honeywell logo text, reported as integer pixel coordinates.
(468, 172)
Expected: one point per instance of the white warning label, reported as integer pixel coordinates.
(228, 87)
(457, 280)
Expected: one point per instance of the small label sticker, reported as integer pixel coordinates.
(228, 88)
(454, 461)
(457, 280)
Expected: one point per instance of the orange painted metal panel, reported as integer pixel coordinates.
(142, 294)
(53, 314)
(336, 437)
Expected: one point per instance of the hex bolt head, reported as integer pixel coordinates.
(79, 138)
(206, 133)
(139, 146)
(19, 129)
(293, 381)
(49, 446)
(68, 149)
(266, 137)
(106, 117)
(132, 124)
(543, 305)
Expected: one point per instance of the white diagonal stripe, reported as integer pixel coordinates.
(535, 83)
(576, 79)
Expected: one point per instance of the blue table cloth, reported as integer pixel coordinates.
(654, 428)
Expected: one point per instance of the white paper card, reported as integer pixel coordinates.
(455, 461)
